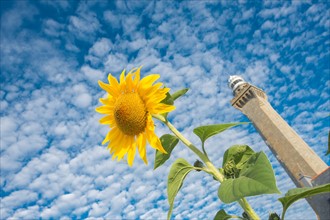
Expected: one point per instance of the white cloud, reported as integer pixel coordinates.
(57, 4)
(32, 212)
(211, 38)
(257, 74)
(268, 25)
(112, 18)
(53, 28)
(84, 26)
(242, 29)
(12, 20)
(101, 48)
(8, 125)
(285, 69)
(115, 62)
(16, 198)
(92, 74)
(130, 24)
(51, 163)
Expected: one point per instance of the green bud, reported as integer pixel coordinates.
(273, 216)
(198, 164)
(230, 169)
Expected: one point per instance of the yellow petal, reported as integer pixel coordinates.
(152, 137)
(110, 101)
(164, 90)
(141, 142)
(131, 154)
(161, 108)
(156, 93)
(132, 70)
(117, 143)
(149, 91)
(105, 101)
(148, 80)
(112, 135)
(137, 76)
(108, 88)
(122, 77)
(104, 109)
(106, 139)
(113, 82)
(129, 82)
(124, 148)
(152, 101)
(107, 120)
(155, 142)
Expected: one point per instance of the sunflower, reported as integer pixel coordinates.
(129, 107)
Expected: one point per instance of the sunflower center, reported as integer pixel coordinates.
(130, 114)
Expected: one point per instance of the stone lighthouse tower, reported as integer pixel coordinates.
(302, 164)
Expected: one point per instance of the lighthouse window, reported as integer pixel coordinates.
(235, 82)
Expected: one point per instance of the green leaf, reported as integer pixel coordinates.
(168, 142)
(179, 93)
(168, 100)
(239, 154)
(222, 215)
(178, 172)
(256, 177)
(294, 195)
(204, 132)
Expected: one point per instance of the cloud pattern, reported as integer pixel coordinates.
(53, 53)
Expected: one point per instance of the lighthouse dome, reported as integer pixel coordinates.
(235, 81)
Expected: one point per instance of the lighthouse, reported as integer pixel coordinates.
(303, 165)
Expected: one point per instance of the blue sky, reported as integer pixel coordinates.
(53, 53)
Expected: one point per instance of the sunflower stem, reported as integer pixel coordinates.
(211, 168)
(248, 209)
(202, 156)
